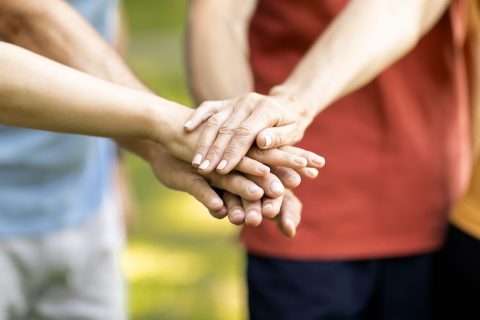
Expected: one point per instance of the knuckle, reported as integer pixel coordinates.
(226, 129)
(230, 153)
(202, 147)
(179, 182)
(230, 183)
(215, 152)
(213, 122)
(284, 156)
(235, 180)
(197, 182)
(278, 139)
(257, 153)
(243, 131)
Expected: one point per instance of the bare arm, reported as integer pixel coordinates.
(53, 29)
(36, 92)
(219, 69)
(363, 40)
(217, 52)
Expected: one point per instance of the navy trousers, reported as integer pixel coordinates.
(457, 278)
(386, 289)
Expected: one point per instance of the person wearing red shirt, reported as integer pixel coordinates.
(377, 87)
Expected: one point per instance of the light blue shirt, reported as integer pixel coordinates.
(50, 181)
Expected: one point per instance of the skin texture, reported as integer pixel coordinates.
(388, 30)
(281, 117)
(140, 121)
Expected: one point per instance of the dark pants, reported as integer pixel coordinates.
(457, 278)
(387, 289)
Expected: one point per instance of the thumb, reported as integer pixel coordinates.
(275, 137)
(199, 188)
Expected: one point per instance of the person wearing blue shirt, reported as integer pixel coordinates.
(59, 216)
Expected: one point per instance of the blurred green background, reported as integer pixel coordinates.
(180, 262)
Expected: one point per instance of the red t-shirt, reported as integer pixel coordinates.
(396, 149)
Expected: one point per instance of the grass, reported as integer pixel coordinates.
(180, 262)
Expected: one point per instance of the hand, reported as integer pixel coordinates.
(251, 213)
(182, 146)
(183, 177)
(288, 218)
(273, 186)
(290, 215)
(233, 125)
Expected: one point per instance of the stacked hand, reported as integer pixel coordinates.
(255, 183)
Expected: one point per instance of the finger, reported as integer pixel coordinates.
(253, 212)
(201, 114)
(289, 177)
(271, 185)
(313, 160)
(219, 214)
(271, 207)
(223, 138)
(207, 137)
(277, 157)
(310, 173)
(237, 184)
(244, 136)
(201, 190)
(236, 214)
(253, 167)
(279, 136)
(290, 215)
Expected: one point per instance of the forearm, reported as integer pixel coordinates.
(36, 92)
(366, 38)
(218, 49)
(55, 30)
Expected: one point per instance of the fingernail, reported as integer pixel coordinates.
(290, 225)
(254, 189)
(263, 168)
(188, 124)
(197, 159)
(215, 202)
(236, 213)
(312, 172)
(268, 207)
(276, 187)
(319, 161)
(300, 161)
(222, 165)
(252, 214)
(205, 164)
(268, 141)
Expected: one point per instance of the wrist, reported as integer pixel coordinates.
(301, 105)
(166, 128)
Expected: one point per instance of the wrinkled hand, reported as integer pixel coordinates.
(182, 146)
(181, 176)
(232, 126)
(288, 211)
(285, 209)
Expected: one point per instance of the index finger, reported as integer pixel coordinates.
(244, 137)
